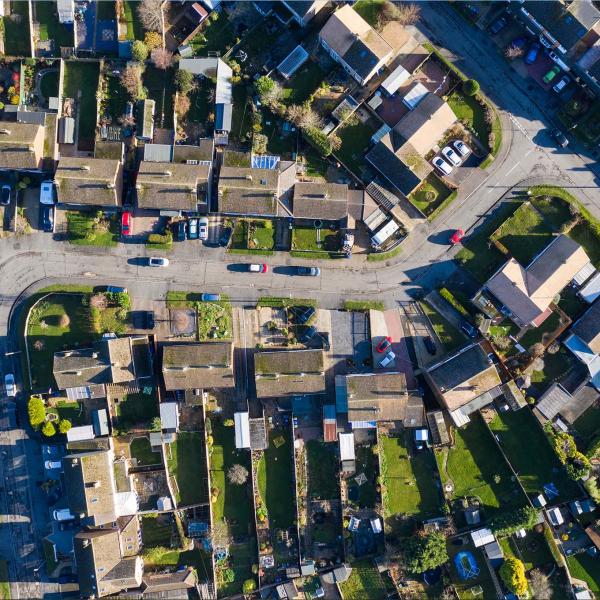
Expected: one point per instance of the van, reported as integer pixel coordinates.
(63, 514)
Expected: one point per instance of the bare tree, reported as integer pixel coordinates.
(151, 15)
(540, 585)
(335, 141)
(162, 58)
(303, 116)
(182, 105)
(131, 80)
(407, 14)
(513, 52)
(220, 533)
(237, 474)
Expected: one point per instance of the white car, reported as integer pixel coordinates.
(387, 359)
(203, 228)
(462, 149)
(562, 84)
(158, 261)
(451, 156)
(9, 384)
(49, 465)
(441, 165)
(47, 192)
(63, 514)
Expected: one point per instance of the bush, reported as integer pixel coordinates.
(157, 238)
(259, 143)
(228, 423)
(450, 298)
(228, 576)
(512, 573)
(139, 51)
(315, 137)
(123, 300)
(153, 40)
(64, 425)
(470, 87)
(249, 586)
(184, 81)
(507, 523)
(48, 429)
(425, 552)
(36, 411)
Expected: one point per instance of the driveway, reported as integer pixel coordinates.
(351, 343)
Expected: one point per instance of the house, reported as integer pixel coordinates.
(287, 373)
(248, 191)
(354, 44)
(584, 342)
(21, 146)
(382, 397)
(169, 417)
(206, 366)
(169, 585)
(303, 11)
(464, 382)
(173, 188)
(526, 293)
(93, 182)
(320, 201)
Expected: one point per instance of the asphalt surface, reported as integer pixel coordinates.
(33, 261)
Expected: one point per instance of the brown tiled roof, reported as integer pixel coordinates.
(89, 181)
(21, 145)
(247, 191)
(207, 365)
(175, 186)
(326, 201)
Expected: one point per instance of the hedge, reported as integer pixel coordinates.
(277, 302)
(316, 138)
(451, 299)
(363, 305)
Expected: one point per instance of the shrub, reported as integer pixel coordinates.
(451, 299)
(153, 40)
(139, 51)
(259, 143)
(470, 87)
(319, 140)
(228, 576)
(576, 464)
(123, 300)
(228, 423)
(36, 411)
(507, 523)
(425, 552)
(157, 238)
(184, 81)
(512, 572)
(64, 425)
(249, 586)
(48, 429)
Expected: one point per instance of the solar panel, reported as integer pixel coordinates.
(264, 161)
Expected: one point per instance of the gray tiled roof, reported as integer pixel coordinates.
(588, 327)
(247, 191)
(326, 201)
(20, 145)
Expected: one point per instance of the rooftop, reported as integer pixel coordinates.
(326, 201)
(248, 191)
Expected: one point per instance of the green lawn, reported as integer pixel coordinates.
(451, 338)
(430, 194)
(555, 211)
(533, 468)
(49, 84)
(241, 559)
(214, 321)
(51, 28)
(355, 141)
(317, 243)
(369, 10)
(323, 470)
(253, 237)
(364, 582)
(82, 77)
(159, 558)
(186, 464)
(140, 448)
(534, 550)
(135, 31)
(16, 32)
(586, 567)
(46, 333)
(241, 125)
(366, 462)
(4, 581)
(280, 143)
(463, 587)
(588, 425)
(467, 109)
(473, 464)
(555, 366)
(217, 35)
(316, 165)
(161, 89)
(137, 409)
(408, 480)
(275, 480)
(525, 234)
(157, 530)
(73, 411)
(303, 83)
(117, 98)
(540, 334)
(200, 106)
(84, 229)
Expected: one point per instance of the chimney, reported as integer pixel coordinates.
(5, 131)
(138, 186)
(167, 173)
(85, 167)
(249, 177)
(110, 186)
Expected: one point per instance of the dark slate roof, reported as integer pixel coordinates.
(393, 169)
(587, 328)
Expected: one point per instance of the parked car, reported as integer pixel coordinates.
(52, 464)
(384, 345)
(458, 235)
(387, 359)
(47, 192)
(308, 271)
(551, 74)
(258, 268)
(451, 156)
(560, 85)
(225, 236)
(179, 230)
(210, 297)
(462, 148)
(9, 384)
(532, 53)
(468, 329)
(63, 514)
(47, 217)
(441, 165)
(126, 223)
(115, 289)
(192, 230)
(203, 228)
(560, 137)
(498, 25)
(149, 319)
(5, 195)
(158, 261)
(430, 345)
(518, 42)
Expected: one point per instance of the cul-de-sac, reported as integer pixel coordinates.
(300, 299)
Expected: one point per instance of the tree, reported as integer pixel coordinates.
(537, 350)
(36, 411)
(237, 474)
(470, 87)
(509, 522)
(540, 585)
(259, 143)
(182, 105)
(408, 14)
(131, 80)
(513, 52)
(151, 15)
(48, 429)
(64, 425)
(139, 51)
(248, 586)
(162, 58)
(319, 140)
(228, 576)
(268, 90)
(426, 551)
(303, 116)
(184, 81)
(512, 573)
(153, 40)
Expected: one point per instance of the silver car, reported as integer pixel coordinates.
(441, 165)
(451, 156)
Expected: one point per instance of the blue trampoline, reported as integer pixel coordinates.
(264, 161)
(466, 565)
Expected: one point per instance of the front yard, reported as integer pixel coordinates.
(355, 141)
(214, 320)
(469, 111)
(92, 228)
(309, 242)
(451, 338)
(253, 237)
(186, 467)
(430, 195)
(82, 78)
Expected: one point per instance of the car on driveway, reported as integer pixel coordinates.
(560, 85)
(430, 345)
(441, 165)
(47, 217)
(560, 138)
(203, 228)
(158, 261)
(258, 268)
(451, 156)
(47, 192)
(308, 271)
(126, 223)
(387, 359)
(225, 236)
(148, 319)
(179, 230)
(532, 53)
(192, 229)
(458, 235)
(52, 464)
(384, 345)
(551, 74)
(210, 297)
(498, 25)
(468, 329)
(5, 195)
(9, 384)
(461, 148)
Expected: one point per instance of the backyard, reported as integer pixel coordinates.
(81, 83)
(161, 88)
(140, 449)
(475, 468)
(323, 471)
(364, 582)
(309, 242)
(51, 28)
(16, 29)
(240, 116)
(185, 465)
(586, 567)
(135, 31)
(450, 337)
(253, 237)
(479, 584)
(92, 229)
(217, 35)
(430, 195)
(365, 495)
(117, 98)
(588, 425)
(72, 411)
(157, 530)
(303, 83)
(355, 141)
(137, 409)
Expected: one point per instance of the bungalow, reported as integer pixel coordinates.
(89, 182)
(21, 146)
(287, 373)
(248, 191)
(354, 44)
(526, 293)
(584, 342)
(204, 366)
(321, 202)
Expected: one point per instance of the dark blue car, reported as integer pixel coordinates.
(532, 53)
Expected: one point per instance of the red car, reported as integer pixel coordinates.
(458, 235)
(384, 345)
(126, 222)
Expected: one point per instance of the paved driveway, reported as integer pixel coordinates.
(351, 343)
